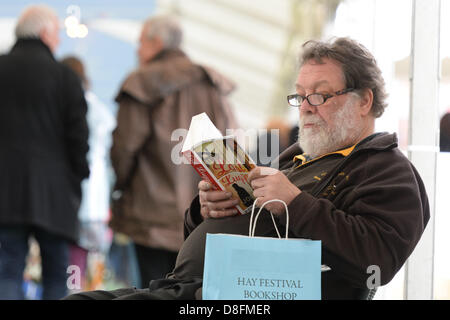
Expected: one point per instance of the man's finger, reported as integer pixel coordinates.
(223, 213)
(259, 172)
(259, 193)
(261, 201)
(213, 196)
(255, 173)
(257, 183)
(204, 211)
(204, 186)
(222, 205)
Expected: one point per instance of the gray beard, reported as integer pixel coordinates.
(323, 139)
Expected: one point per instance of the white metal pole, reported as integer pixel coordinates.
(424, 135)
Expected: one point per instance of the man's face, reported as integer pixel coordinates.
(148, 48)
(336, 123)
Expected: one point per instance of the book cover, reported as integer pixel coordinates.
(219, 160)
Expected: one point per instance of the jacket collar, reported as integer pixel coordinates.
(225, 85)
(376, 141)
(167, 54)
(32, 44)
(305, 159)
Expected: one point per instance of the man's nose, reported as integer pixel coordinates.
(305, 107)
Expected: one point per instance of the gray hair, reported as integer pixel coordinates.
(166, 28)
(33, 20)
(359, 67)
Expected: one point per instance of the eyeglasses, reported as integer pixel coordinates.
(314, 99)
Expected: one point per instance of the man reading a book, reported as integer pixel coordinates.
(343, 183)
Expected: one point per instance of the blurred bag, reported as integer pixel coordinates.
(240, 267)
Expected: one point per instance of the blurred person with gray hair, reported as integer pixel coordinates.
(43, 138)
(152, 190)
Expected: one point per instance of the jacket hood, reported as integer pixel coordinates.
(170, 71)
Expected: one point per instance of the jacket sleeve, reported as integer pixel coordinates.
(382, 218)
(76, 130)
(132, 131)
(192, 217)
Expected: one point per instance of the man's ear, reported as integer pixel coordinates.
(366, 102)
(44, 36)
(158, 44)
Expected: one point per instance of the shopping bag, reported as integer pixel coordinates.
(259, 268)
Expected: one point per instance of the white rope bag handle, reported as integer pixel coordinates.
(252, 226)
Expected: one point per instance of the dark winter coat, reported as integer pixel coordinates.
(367, 204)
(43, 140)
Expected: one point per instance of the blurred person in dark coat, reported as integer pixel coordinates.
(43, 143)
(155, 100)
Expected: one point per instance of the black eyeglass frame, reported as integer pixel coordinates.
(324, 96)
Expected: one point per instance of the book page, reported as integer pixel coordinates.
(201, 129)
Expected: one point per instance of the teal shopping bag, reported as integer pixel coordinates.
(247, 267)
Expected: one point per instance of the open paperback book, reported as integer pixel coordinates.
(219, 160)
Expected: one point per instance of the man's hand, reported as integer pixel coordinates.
(215, 204)
(269, 184)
